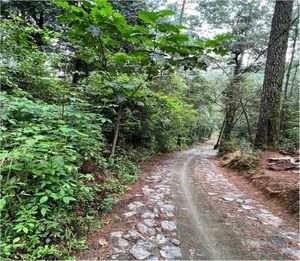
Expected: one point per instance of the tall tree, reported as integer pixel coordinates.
(182, 11)
(295, 36)
(268, 128)
(248, 23)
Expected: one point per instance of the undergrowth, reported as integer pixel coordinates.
(45, 199)
(239, 155)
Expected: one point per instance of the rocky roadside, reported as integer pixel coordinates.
(154, 237)
(147, 228)
(260, 230)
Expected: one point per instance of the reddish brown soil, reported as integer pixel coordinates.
(277, 189)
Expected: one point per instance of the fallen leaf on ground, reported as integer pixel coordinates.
(102, 242)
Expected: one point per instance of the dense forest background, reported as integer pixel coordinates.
(91, 89)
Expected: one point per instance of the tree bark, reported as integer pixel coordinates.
(294, 78)
(117, 129)
(247, 120)
(268, 127)
(291, 63)
(231, 101)
(182, 12)
(220, 136)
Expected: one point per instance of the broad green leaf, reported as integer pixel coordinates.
(164, 13)
(25, 230)
(43, 199)
(2, 203)
(68, 199)
(16, 240)
(43, 211)
(58, 162)
(61, 4)
(148, 17)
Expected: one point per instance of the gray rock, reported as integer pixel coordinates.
(150, 222)
(148, 245)
(175, 242)
(122, 243)
(168, 225)
(116, 234)
(167, 215)
(133, 234)
(129, 214)
(159, 239)
(265, 211)
(252, 243)
(168, 208)
(148, 215)
(120, 256)
(211, 193)
(250, 201)
(247, 207)
(135, 205)
(147, 191)
(291, 252)
(229, 199)
(142, 228)
(170, 252)
(276, 241)
(139, 252)
(271, 219)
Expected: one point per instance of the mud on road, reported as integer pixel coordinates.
(185, 209)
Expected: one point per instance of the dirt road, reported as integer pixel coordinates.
(186, 209)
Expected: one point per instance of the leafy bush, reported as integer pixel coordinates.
(242, 160)
(107, 204)
(235, 144)
(42, 187)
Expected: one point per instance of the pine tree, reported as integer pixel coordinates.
(268, 128)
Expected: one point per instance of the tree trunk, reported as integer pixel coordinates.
(247, 120)
(231, 101)
(220, 136)
(182, 12)
(116, 134)
(294, 79)
(291, 63)
(268, 128)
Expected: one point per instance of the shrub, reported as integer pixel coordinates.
(43, 192)
(243, 160)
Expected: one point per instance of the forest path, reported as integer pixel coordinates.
(184, 208)
(217, 221)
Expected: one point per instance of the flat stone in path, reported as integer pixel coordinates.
(229, 199)
(170, 252)
(139, 252)
(168, 225)
(159, 239)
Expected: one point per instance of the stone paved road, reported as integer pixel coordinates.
(186, 209)
(217, 221)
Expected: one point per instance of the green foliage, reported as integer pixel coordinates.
(243, 160)
(41, 183)
(125, 169)
(23, 64)
(51, 124)
(107, 204)
(290, 124)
